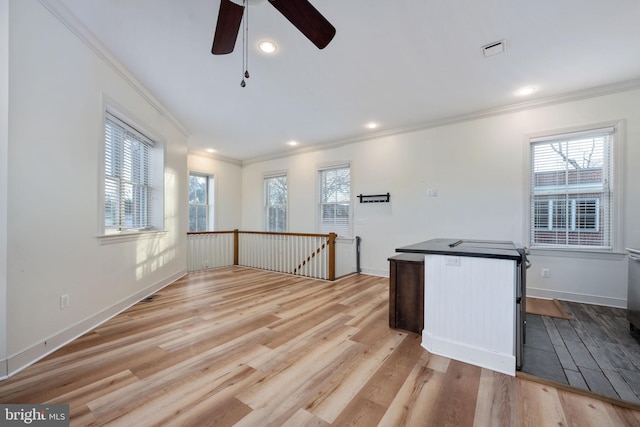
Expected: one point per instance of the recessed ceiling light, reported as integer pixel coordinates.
(371, 125)
(525, 91)
(210, 150)
(267, 46)
(292, 143)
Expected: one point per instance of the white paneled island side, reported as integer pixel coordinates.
(474, 293)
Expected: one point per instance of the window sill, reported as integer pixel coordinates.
(347, 240)
(601, 254)
(109, 239)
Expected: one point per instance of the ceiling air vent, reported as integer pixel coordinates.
(494, 48)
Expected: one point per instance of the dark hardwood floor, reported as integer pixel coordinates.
(245, 347)
(593, 350)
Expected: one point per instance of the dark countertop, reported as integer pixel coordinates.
(466, 247)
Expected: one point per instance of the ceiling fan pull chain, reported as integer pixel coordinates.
(245, 46)
(246, 69)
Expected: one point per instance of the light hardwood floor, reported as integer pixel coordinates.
(238, 346)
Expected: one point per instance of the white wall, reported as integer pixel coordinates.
(228, 189)
(56, 89)
(4, 144)
(479, 169)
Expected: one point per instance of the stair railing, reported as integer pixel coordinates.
(304, 254)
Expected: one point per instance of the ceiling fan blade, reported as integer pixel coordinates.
(307, 19)
(227, 28)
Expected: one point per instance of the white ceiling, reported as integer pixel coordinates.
(401, 63)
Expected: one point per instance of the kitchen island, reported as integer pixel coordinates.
(474, 294)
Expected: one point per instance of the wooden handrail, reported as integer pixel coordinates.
(274, 233)
(285, 234)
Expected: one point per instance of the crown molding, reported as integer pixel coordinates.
(564, 98)
(202, 153)
(73, 24)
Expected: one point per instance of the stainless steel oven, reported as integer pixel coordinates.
(521, 304)
(633, 292)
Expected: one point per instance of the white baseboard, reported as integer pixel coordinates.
(573, 297)
(17, 362)
(375, 272)
(499, 362)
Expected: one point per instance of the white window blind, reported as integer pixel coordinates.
(572, 190)
(275, 203)
(335, 200)
(127, 180)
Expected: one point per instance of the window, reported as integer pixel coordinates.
(335, 200)
(201, 202)
(133, 179)
(275, 203)
(572, 190)
(567, 214)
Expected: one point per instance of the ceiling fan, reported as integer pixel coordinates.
(300, 13)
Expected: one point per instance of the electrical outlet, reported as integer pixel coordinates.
(545, 273)
(64, 301)
(453, 260)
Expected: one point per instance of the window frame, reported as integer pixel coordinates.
(345, 231)
(210, 193)
(155, 211)
(267, 206)
(612, 221)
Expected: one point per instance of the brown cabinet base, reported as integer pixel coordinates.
(406, 292)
